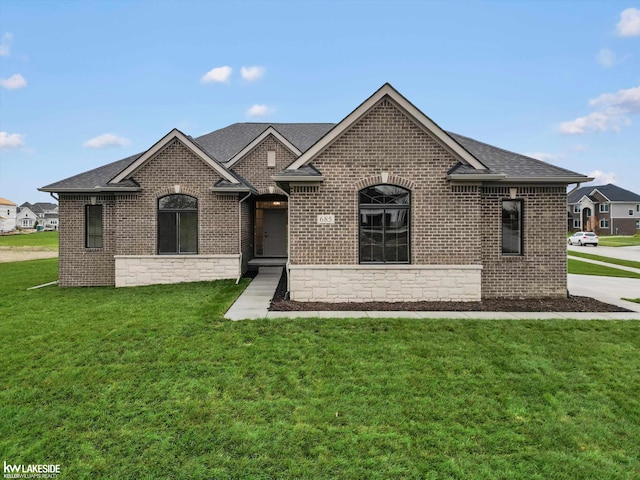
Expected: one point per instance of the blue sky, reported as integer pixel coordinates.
(86, 83)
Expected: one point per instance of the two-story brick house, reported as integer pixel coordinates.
(383, 205)
(605, 209)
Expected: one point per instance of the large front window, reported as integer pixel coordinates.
(384, 224)
(177, 224)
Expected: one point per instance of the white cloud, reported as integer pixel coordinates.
(13, 82)
(579, 148)
(603, 178)
(611, 113)
(625, 101)
(11, 140)
(218, 74)
(545, 157)
(251, 74)
(606, 58)
(629, 24)
(5, 44)
(107, 140)
(258, 110)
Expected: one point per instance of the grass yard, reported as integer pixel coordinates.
(48, 240)
(585, 268)
(620, 241)
(615, 261)
(149, 382)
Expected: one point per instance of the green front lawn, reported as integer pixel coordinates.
(150, 382)
(48, 240)
(586, 268)
(619, 241)
(615, 261)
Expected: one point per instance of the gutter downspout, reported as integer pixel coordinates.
(54, 197)
(240, 237)
(288, 265)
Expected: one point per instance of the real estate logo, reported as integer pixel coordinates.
(31, 471)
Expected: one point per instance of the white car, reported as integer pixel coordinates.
(583, 238)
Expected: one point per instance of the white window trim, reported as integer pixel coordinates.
(604, 208)
(604, 223)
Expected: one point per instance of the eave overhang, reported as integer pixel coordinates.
(232, 190)
(421, 120)
(503, 178)
(93, 190)
(257, 141)
(160, 144)
(298, 178)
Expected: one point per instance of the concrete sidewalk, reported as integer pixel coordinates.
(255, 300)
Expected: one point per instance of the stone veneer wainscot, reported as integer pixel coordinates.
(385, 283)
(135, 270)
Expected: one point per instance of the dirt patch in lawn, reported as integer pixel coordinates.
(571, 304)
(19, 254)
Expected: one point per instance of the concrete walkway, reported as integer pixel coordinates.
(254, 304)
(255, 300)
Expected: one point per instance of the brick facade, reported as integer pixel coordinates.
(541, 271)
(455, 229)
(384, 141)
(80, 266)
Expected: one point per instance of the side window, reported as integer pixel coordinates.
(512, 227)
(93, 226)
(384, 224)
(177, 224)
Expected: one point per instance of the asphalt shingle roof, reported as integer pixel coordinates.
(612, 192)
(224, 143)
(498, 160)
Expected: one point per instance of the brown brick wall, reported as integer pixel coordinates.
(80, 266)
(385, 140)
(136, 215)
(542, 269)
(624, 226)
(130, 221)
(253, 167)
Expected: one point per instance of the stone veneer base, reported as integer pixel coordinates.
(136, 270)
(385, 283)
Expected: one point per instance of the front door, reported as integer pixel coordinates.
(274, 234)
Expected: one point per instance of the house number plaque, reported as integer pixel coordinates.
(326, 219)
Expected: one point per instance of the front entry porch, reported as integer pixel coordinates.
(271, 233)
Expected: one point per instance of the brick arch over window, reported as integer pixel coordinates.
(192, 192)
(276, 191)
(379, 180)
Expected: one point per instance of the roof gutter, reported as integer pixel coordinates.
(93, 190)
(501, 177)
(232, 190)
(297, 178)
(474, 177)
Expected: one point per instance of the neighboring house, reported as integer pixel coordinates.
(605, 209)
(384, 205)
(7, 215)
(40, 213)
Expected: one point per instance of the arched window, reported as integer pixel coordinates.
(177, 224)
(384, 224)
